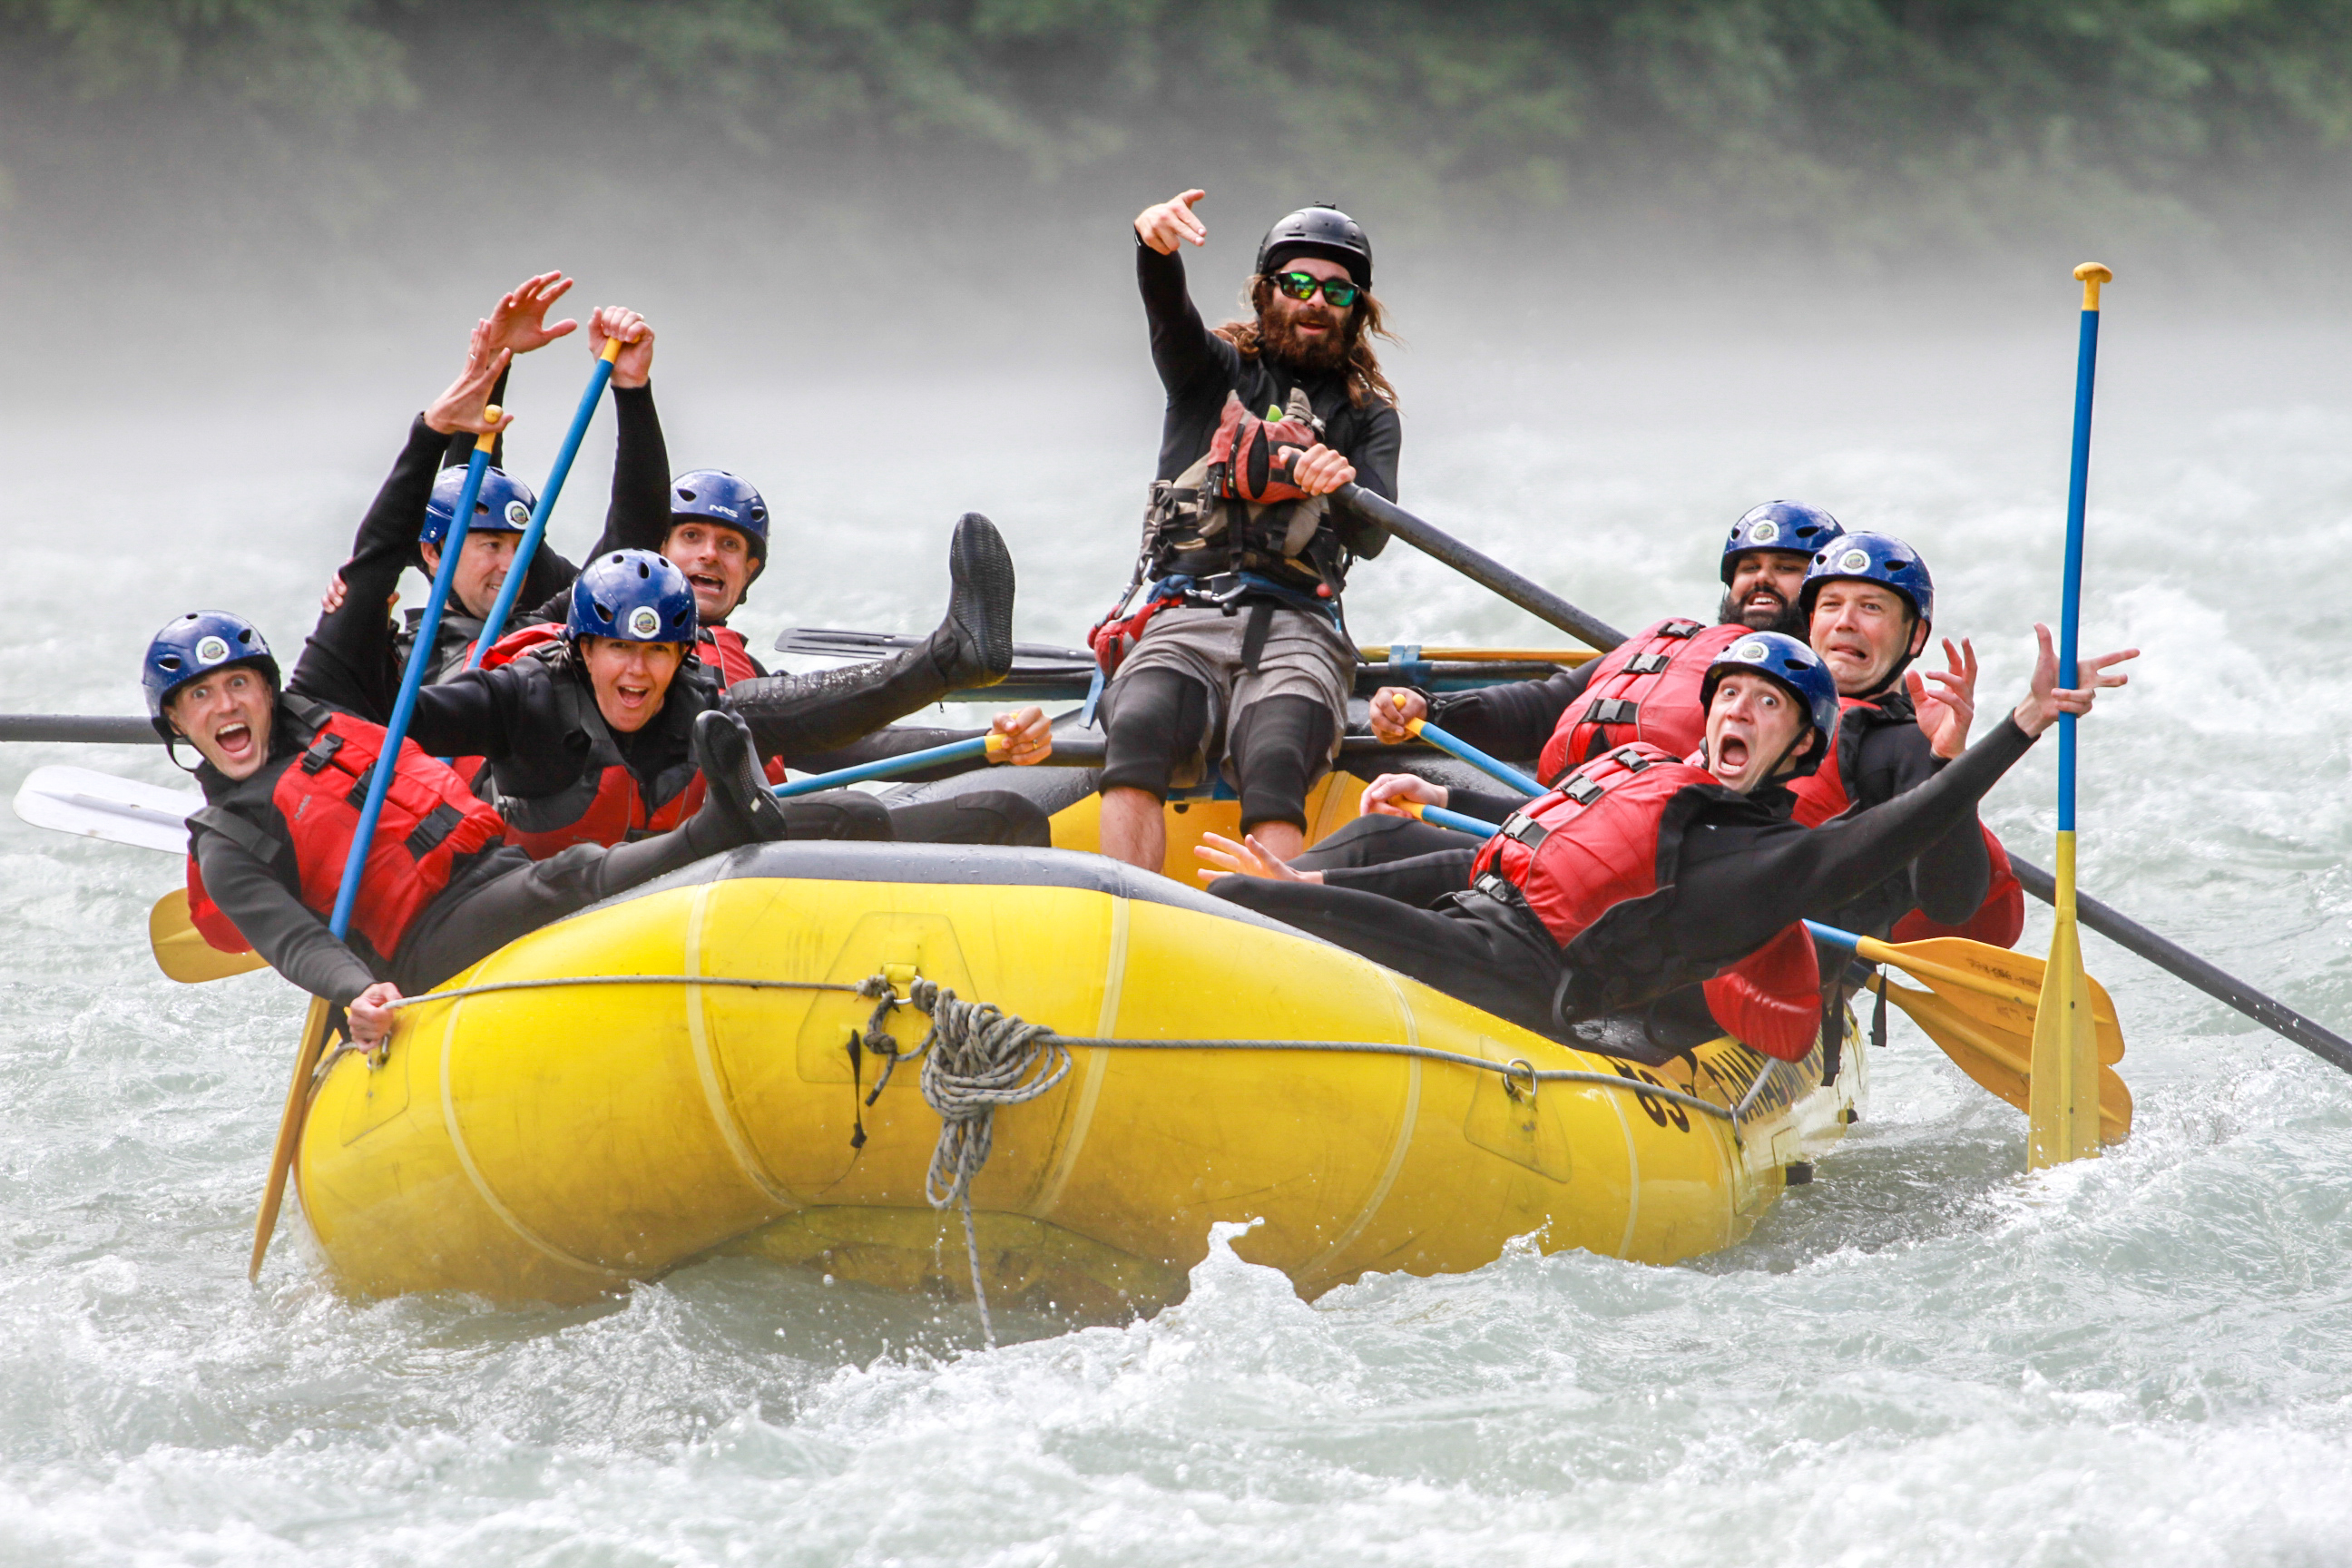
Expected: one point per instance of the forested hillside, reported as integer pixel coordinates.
(1873, 124)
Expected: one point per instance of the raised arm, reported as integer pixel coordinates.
(1183, 350)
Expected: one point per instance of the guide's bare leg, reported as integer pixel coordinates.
(1133, 829)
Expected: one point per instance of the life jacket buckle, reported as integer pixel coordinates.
(1523, 830)
(1632, 760)
(1649, 663)
(1612, 710)
(1583, 791)
(1680, 629)
(321, 752)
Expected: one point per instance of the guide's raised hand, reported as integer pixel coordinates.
(518, 322)
(2047, 698)
(465, 404)
(1944, 716)
(633, 366)
(1166, 225)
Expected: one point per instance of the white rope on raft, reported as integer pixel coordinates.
(978, 1057)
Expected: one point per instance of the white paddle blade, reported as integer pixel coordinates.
(101, 806)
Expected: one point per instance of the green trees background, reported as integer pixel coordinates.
(1879, 125)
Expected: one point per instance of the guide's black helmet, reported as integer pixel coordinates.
(1320, 230)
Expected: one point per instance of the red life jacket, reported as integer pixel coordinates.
(521, 641)
(428, 820)
(605, 804)
(728, 655)
(1592, 844)
(1999, 920)
(1646, 690)
(1822, 796)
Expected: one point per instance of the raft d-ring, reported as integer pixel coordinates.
(1511, 1085)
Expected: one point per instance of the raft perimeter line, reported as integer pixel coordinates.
(697, 1034)
(1082, 1116)
(1408, 1126)
(474, 1173)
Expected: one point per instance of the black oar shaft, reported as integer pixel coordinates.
(85, 729)
(1481, 569)
(2126, 932)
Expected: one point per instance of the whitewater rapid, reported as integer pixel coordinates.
(1928, 1356)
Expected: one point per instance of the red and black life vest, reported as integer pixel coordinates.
(1646, 690)
(728, 657)
(605, 803)
(309, 804)
(1822, 796)
(1591, 844)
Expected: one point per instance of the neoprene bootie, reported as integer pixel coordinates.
(801, 715)
(737, 808)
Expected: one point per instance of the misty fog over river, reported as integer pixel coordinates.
(1926, 1357)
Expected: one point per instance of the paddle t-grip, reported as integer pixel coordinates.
(491, 414)
(2092, 275)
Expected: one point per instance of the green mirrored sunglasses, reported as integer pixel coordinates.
(1302, 286)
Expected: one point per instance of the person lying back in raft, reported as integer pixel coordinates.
(1642, 875)
(588, 748)
(283, 782)
(1231, 636)
(1646, 689)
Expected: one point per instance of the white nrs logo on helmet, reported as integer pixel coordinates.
(1855, 561)
(1751, 652)
(518, 513)
(1764, 532)
(645, 623)
(211, 650)
(726, 512)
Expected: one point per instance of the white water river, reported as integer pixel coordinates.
(1927, 1357)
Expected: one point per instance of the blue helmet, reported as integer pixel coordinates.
(198, 644)
(1873, 558)
(504, 505)
(634, 595)
(1788, 525)
(1793, 664)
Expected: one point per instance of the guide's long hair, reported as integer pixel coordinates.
(1365, 323)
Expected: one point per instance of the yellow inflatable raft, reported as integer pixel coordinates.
(671, 1074)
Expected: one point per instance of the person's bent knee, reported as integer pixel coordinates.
(1153, 720)
(1281, 746)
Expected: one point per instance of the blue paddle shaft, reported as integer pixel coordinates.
(1844, 939)
(2069, 612)
(496, 621)
(1456, 747)
(419, 656)
(889, 767)
(1461, 822)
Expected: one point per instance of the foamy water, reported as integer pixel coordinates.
(1927, 1357)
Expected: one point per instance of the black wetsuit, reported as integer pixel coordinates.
(1734, 871)
(350, 662)
(1883, 753)
(493, 896)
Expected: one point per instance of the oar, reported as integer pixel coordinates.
(101, 806)
(890, 767)
(2065, 1112)
(85, 729)
(527, 546)
(1981, 1008)
(314, 1027)
(1481, 569)
(181, 951)
(1461, 822)
(1454, 746)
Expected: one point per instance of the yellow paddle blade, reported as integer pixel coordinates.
(181, 949)
(1953, 966)
(290, 1129)
(2065, 1057)
(1988, 1044)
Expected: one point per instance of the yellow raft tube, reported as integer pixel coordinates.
(530, 1138)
